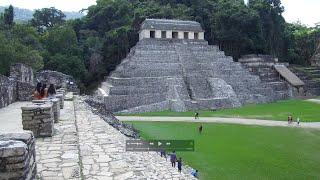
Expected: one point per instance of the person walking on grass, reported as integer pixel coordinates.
(196, 115)
(200, 129)
(179, 164)
(289, 119)
(173, 159)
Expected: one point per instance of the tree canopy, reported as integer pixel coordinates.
(47, 18)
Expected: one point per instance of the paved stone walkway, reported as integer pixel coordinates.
(84, 146)
(222, 120)
(58, 156)
(103, 156)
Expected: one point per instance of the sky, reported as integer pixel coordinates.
(305, 11)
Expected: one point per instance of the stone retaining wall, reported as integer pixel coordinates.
(98, 107)
(38, 118)
(7, 91)
(61, 98)
(17, 156)
(24, 77)
(55, 107)
(24, 91)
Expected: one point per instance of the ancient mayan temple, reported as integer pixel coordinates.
(172, 67)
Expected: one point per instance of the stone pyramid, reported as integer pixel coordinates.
(179, 75)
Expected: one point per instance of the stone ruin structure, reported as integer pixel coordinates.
(172, 67)
(17, 156)
(21, 83)
(18, 86)
(276, 75)
(59, 79)
(38, 118)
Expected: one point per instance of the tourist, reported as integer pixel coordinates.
(200, 129)
(289, 119)
(194, 173)
(173, 159)
(179, 164)
(163, 153)
(51, 92)
(37, 91)
(44, 91)
(196, 115)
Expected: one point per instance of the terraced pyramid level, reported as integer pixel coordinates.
(180, 75)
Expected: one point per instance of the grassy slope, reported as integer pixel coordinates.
(244, 152)
(307, 111)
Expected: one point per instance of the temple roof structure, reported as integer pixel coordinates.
(168, 24)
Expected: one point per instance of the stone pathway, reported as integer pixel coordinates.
(257, 122)
(84, 146)
(58, 156)
(10, 117)
(103, 156)
(314, 100)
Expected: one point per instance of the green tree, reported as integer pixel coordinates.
(47, 18)
(71, 65)
(272, 25)
(61, 39)
(8, 16)
(302, 43)
(63, 52)
(12, 50)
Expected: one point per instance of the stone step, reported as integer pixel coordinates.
(278, 86)
(129, 90)
(142, 81)
(117, 103)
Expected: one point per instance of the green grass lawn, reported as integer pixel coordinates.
(306, 111)
(244, 152)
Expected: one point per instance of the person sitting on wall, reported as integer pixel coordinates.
(44, 91)
(37, 91)
(51, 91)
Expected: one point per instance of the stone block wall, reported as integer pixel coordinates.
(24, 91)
(18, 87)
(17, 156)
(61, 99)
(8, 90)
(55, 107)
(21, 73)
(39, 119)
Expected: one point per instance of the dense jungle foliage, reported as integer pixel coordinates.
(90, 48)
